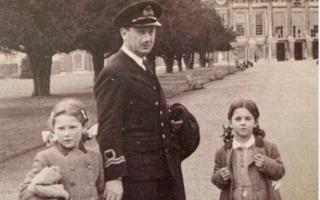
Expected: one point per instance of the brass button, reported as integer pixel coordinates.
(166, 150)
(154, 88)
(138, 142)
(162, 124)
(161, 112)
(163, 136)
(156, 103)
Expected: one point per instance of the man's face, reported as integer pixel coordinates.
(139, 40)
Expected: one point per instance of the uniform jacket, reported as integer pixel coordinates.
(273, 170)
(81, 171)
(134, 132)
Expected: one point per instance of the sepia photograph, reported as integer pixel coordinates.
(159, 99)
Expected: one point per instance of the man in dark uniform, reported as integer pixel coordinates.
(136, 136)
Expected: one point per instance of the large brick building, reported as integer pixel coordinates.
(271, 29)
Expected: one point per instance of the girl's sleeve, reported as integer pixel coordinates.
(100, 180)
(38, 164)
(274, 168)
(216, 179)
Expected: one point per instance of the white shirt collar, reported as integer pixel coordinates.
(248, 144)
(136, 58)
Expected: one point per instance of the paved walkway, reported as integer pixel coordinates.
(286, 94)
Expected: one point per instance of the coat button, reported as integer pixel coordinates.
(161, 112)
(166, 150)
(163, 136)
(162, 124)
(90, 166)
(156, 103)
(154, 88)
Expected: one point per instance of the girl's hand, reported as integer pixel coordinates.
(259, 160)
(113, 190)
(224, 173)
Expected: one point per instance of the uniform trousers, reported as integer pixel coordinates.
(160, 189)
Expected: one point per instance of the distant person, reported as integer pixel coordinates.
(66, 169)
(142, 140)
(247, 164)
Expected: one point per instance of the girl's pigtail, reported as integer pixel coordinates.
(227, 133)
(257, 131)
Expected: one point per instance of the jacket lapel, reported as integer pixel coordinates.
(138, 73)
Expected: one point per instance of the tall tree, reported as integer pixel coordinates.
(98, 36)
(40, 29)
(189, 26)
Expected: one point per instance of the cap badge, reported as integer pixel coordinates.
(148, 12)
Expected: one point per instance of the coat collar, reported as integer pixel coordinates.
(258, 148)
(128, 64)
(258, 143)
(132, 65)
(65, 151)
(134, 57)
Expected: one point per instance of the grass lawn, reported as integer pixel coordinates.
(22, 118)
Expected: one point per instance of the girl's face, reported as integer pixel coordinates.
(242, 123)
(68, 130)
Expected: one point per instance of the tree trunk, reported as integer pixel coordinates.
(179, 60)
(169, 61)
(41, 70)
(189, 60)
(98, 63)
(202, 59)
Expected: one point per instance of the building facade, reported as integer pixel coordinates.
(271, 29)
(11, 65)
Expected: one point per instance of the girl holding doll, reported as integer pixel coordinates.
(247, 164)
(66, 169)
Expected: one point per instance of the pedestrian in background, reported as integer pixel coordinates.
(66, 169)
(247, 164)
(143, 142)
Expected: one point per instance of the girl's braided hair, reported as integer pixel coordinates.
(252, 108)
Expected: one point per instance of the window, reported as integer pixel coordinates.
(240, 23)
(279, 31)
(296, 2)
(296, 31)
(240, 29)
(259, 24)
(314, 31)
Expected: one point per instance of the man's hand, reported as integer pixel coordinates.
(176, 125)
(113, 190)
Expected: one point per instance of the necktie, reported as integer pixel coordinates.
(147, 65)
